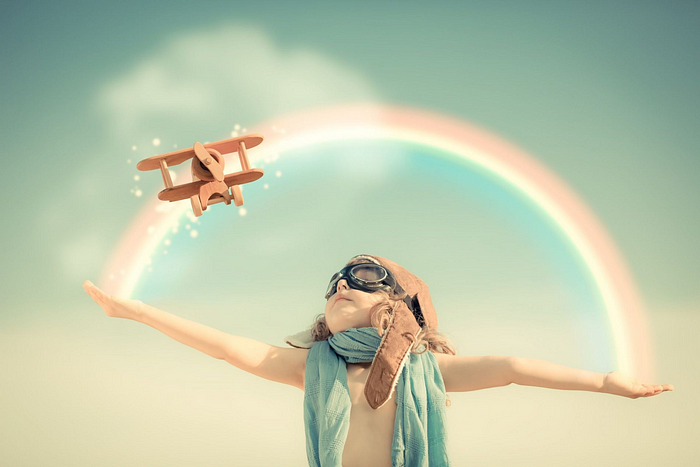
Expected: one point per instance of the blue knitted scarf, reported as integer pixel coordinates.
(419, 430)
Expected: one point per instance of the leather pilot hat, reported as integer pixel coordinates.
(399, 336)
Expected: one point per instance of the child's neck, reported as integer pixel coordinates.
(361, 364)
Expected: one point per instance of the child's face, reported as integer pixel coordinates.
(342, 315)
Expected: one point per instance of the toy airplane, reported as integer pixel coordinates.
(209, 183)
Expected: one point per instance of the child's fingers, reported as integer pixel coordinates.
(95, 293)
(652, 390)
(90, 289)
(93, 289)
(662, 387)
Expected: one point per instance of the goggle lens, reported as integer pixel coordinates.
(331, 285)
(369, 273)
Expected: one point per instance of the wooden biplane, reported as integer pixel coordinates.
(209, 183)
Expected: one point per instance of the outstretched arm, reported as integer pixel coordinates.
(274, 363)
(198, 336)
(532, 372)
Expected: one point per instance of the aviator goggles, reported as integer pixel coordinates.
(370, 277)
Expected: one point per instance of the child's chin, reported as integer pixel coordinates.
(339, 330)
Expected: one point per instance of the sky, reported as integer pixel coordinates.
(604, 96)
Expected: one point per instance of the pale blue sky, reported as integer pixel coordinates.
(606, 95)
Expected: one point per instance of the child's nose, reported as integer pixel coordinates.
(343, 282)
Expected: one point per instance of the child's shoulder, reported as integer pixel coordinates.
(443, 360)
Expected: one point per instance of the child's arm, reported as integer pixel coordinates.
(198, 336)
(270, 362)
(532, 372)
(467, 373)
(273, 363)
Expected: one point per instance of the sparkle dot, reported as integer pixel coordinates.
(111, 276)
(136, 178)
(134, 148)
(138, 193)
(236, 127)
(165, 252)
(175, 145)
(243, 130)
(167, 242)
(193, 233)
(242, 211)
(128, 161)
(156, 142)
(278, 174)
(151, 229)
(187, 226)
(266, 186)
(234, 134)
(174, 229)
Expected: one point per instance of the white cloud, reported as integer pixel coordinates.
(230, 74)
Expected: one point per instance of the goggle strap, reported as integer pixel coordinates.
(412, 304)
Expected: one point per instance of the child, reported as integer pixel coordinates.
(378, 334)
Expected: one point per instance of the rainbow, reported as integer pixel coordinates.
(529, 178)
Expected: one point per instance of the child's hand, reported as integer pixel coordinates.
(622, 385)
(114, 307)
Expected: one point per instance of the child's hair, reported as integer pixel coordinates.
(380, 316)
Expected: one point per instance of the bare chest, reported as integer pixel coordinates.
(371, 432)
